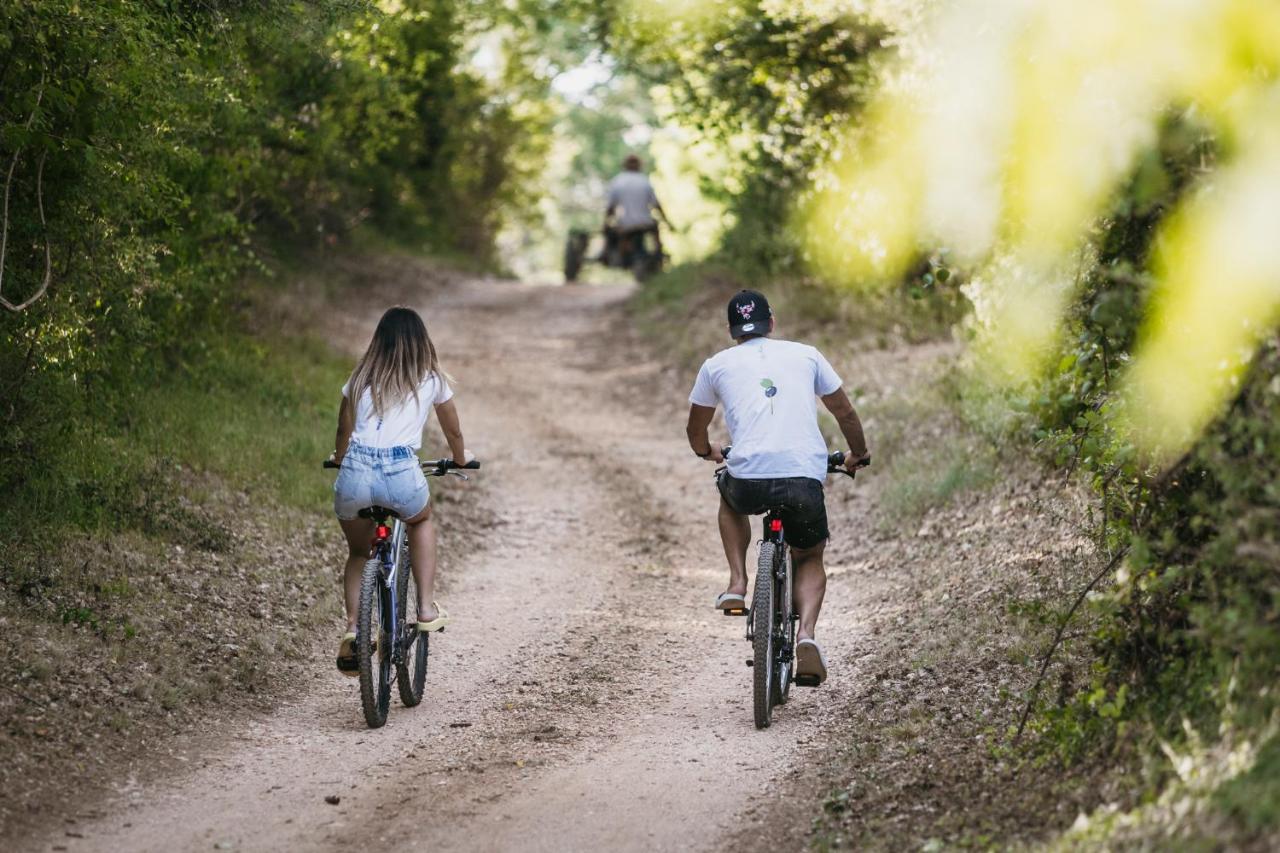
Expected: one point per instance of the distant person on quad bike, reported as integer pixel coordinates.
(629, 212)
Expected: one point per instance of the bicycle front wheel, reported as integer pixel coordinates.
(373, 645)
(763, 631)
(411, 674)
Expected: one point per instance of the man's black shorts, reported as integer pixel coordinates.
(799, 500)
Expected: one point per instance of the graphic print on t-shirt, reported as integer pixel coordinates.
(769, 391)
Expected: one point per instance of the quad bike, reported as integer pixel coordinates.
(638, 251)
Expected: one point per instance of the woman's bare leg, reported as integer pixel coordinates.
(422, 553)
(359, 533)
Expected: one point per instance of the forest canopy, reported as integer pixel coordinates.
(154, 153)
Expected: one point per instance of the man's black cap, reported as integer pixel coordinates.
(749, 314)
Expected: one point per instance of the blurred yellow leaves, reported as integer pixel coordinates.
(1218, 292)
(1005, 135)
(665, 17)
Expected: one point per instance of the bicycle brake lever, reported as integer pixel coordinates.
(458, 474)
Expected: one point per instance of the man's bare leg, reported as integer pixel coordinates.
(810, 587)
(735, 533)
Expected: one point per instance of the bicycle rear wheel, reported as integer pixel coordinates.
(786, 626)
(411, 674)
(373, 645)
(763, 631)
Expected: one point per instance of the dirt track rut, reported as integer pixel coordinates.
(587, 695)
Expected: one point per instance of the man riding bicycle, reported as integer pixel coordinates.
(630, 207)
(779, 459)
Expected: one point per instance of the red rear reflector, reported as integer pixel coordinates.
(383, 531)
(775, 525)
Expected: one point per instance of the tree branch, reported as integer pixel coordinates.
(4, 224)
(1057, 639)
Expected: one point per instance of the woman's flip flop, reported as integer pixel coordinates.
(438, 623)
(348, 664)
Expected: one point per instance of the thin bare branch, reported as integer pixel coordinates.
(4, 222)
(1057, 639)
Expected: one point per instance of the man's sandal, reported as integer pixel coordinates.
(811, 664)
(732, 604)
(438, 623)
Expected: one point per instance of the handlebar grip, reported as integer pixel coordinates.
(450, 465)
(329, 463)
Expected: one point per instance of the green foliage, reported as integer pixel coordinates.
(1187, 629)
(774, 83)
(161, 151)
(1253, 798)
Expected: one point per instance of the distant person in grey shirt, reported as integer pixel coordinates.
(631, 203)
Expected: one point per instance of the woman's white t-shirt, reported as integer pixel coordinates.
(401, 425)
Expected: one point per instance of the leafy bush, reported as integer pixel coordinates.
(1186, 631)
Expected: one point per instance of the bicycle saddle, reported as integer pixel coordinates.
(378, 513)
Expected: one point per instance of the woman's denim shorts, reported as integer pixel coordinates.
(380, 476)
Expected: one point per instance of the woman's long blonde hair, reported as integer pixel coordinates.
(399, 358)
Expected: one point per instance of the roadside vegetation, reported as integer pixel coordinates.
(188, 189)
(1101, 294)
(158, 157)
(1164, 655)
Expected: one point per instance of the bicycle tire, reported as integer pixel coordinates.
(575, 250)
(375, 682)
(786, 611)
(411, 674)
(763, 614)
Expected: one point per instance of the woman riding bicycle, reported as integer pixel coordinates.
(394, 387)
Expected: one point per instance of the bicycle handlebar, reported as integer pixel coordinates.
(835, 461)
(432, 468)
(444, 466)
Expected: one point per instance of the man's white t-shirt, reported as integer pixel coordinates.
(769, 390)
(632, 198)
(401, 425)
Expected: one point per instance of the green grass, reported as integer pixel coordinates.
(676, 286)
(262, 418)
(245, 414)
(931, 476)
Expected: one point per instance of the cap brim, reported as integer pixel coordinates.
(756, 328)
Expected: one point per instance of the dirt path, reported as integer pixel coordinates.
(587, 695)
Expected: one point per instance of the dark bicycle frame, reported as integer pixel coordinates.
(388, 543)
(787, 619)
(783, 581)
